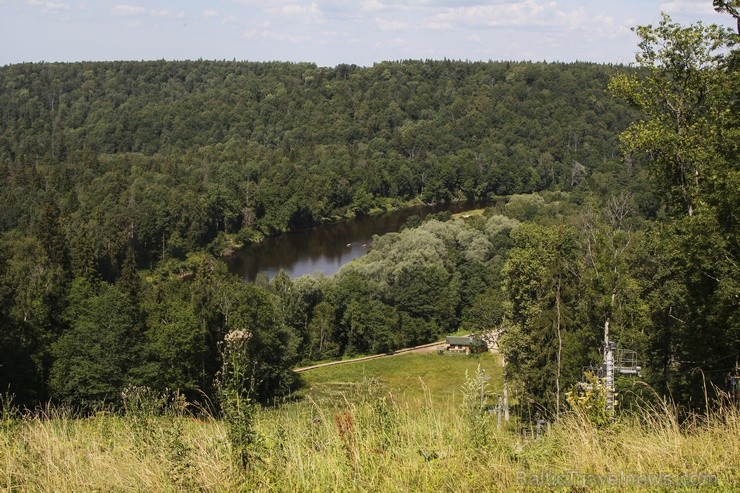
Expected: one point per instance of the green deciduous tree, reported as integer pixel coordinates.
(372, 327)
(272, 346)
(94, 358)
(731, 7)
(321, 343)
(174, 353)
(541, 286)
(689, 135)
(685, 97)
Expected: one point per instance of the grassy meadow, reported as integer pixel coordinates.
(411, 378)
(405, 423)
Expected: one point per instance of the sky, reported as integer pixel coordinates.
(330, 32)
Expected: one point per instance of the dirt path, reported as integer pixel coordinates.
(424, 348)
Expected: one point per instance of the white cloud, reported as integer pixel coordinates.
(392, 43)
(56, 6)
(167, 14)
(49, 7)
(371, 6)
(281, 36)
(508, 14)
(309, 14)
(295, 9)
(438, 24)
(271, 35)
(350, 29)
(607, 27)
(391, 25)
(138, 11)
(262, 3)
(128, 10)
(688, 7)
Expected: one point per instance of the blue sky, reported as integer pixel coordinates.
(329, 32)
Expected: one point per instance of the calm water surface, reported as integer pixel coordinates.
(324, 249)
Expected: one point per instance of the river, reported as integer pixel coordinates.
(325, 248)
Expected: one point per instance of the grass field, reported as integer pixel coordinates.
(398, 424)
(411, 378)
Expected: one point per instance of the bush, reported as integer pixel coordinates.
(589, 401)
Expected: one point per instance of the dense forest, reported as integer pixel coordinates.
(124, 182)
(169, 155)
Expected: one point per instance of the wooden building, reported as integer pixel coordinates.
(465, 344)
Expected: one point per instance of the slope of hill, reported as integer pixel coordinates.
(370, 440)
(174, 153)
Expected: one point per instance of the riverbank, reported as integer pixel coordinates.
(325, 248)
(249, 236)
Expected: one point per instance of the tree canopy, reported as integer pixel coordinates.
(122, 183)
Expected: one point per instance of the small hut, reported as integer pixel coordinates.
(465, 344)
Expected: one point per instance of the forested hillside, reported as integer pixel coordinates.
(123, 182)
(168, 155)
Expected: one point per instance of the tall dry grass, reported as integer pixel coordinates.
(60, 453)
(370, 443)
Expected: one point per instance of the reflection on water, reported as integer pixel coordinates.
(324, 248)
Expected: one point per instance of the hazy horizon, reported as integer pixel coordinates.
(331, 32)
